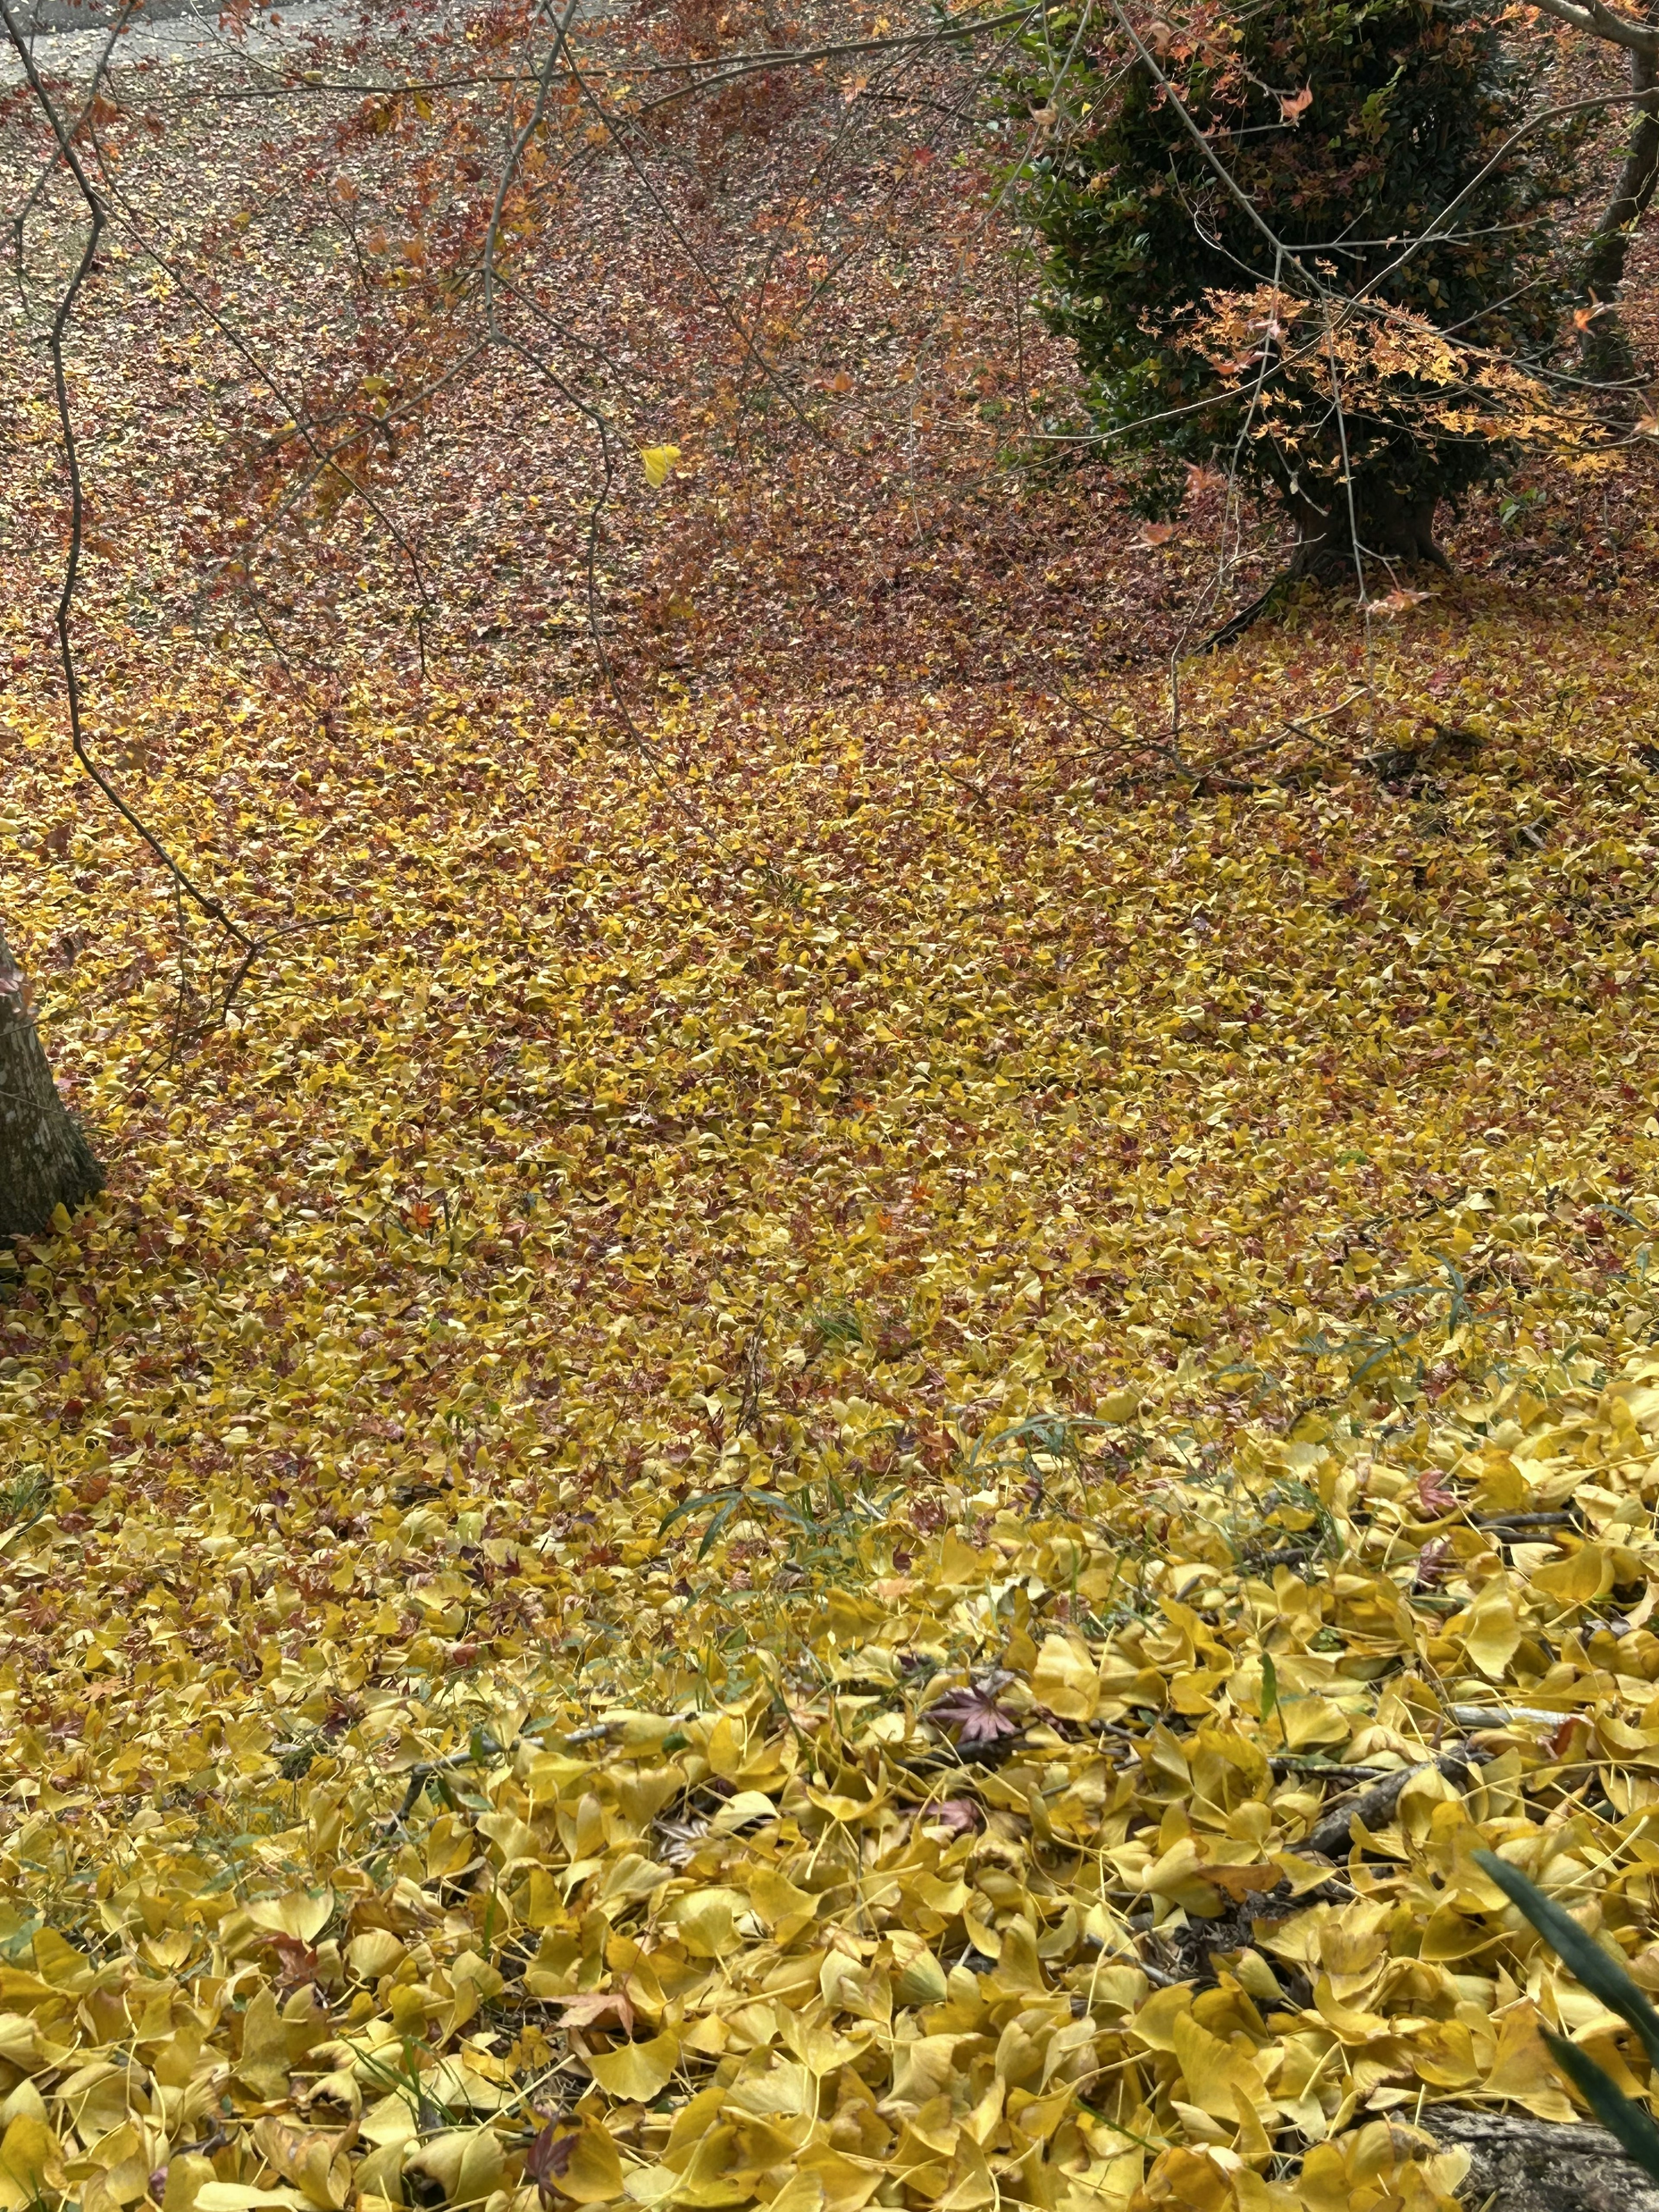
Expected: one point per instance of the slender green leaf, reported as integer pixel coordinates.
(688, 1505)
(1604, 1978)
(726, 1502)
(723, 1515)
(1617, 2113)
(785, 1508)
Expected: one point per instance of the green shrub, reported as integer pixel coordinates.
(1349, 126)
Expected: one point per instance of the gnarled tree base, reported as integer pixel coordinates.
(45, 1161)
(1390, 529)
(1394, 531)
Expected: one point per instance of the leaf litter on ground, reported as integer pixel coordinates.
(723, 1491)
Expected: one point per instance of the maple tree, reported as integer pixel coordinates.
(1346, 185)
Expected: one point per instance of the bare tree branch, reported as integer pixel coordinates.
(1600, 21)
(97, 219)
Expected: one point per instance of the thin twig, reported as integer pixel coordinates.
(97, 218)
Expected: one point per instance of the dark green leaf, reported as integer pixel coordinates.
(1269, 1688)
(687, 1506)
(1604, 1978)
(723, 1516)
(1617, 2113)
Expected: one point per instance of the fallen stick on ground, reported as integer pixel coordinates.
(1372, 1807)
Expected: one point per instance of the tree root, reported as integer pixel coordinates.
(1393, 533)
(1236, 625)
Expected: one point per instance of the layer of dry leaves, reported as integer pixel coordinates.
(720, 1494)
(735, 1455)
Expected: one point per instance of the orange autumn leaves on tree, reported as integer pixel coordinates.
(1295, 360)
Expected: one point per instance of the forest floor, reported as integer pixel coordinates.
(737, 1483)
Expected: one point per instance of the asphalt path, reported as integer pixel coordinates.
(167, 31)
(38, 15)
(66, 38)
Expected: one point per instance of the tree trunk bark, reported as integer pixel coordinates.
(1521, 2165)
(1607, 353)
(45, 1160)
(1390, 527)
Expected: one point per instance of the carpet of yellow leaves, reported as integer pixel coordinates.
(722, 1494)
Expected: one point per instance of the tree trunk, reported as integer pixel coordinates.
(45, 1160)
(1391, 527)
(1607, 353)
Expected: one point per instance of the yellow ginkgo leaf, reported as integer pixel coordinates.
(300, 1915)
(922, 1981)
(1493, 1632)
(659, 460)
(242, 2196)
(1578, 1579)
(804, 2193)
(706, 1922)
(586, 2166)
(29, 2162)
(651, 2185)
(1066, 1680)
(375, 1952)
(188, 2174)
(847, 2183)
(466, 2163)
(637, 2072)
(263, 2063)
(775, 1899)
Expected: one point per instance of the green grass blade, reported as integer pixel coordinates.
(1604, 1978)
(785, 1508)
(692, 1505)
(722, 1515)
(1617, 2113)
